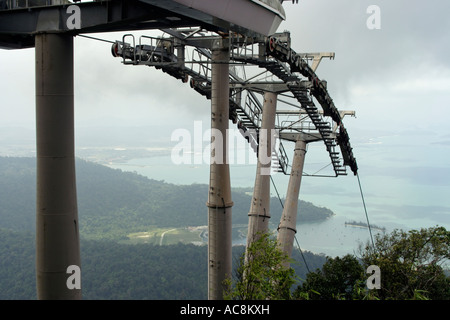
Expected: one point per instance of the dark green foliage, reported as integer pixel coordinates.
(411, 266)
(18, 193)
(110, 270)
(335, 280)
(123, 272)
(263, 276)
(112, 203)
(17, 266)
(411, 263)
(118, 271)
(314, 261)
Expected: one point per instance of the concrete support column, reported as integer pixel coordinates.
(259, 213)
(57, 237)
(287, 228)
(219, 197)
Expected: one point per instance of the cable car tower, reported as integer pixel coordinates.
(210, 44)
(263, 74)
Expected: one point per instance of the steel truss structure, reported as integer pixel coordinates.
(257, 65)
(224, 56)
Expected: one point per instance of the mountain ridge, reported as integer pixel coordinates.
(113, 203)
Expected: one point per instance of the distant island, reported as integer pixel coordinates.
(364, 225)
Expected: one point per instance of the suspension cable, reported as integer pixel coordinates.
(304, 260)
(93, 38)
(365, 209)
(276, 190)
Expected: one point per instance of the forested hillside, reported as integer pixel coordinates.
(112, 203)
(118, 271)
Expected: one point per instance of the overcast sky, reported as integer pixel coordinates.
(396, 75)
(396, 78)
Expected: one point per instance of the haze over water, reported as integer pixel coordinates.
(405, 189)
(404, 176)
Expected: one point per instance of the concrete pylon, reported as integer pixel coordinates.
(219, 197)
(287, 228)
(259, 213)
(57, 236)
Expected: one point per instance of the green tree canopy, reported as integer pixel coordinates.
(411, 266)
(411, 262)
(263, 275)
(336, 280)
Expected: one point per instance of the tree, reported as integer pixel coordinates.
(338, 279)
(263, 276)
(411, 263)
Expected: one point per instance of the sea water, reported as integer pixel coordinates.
(403, 182)
(331, 237)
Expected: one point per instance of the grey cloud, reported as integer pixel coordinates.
(411, 33)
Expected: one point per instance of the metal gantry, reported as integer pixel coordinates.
(50, 26)
(258, 68)
(245, 69)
